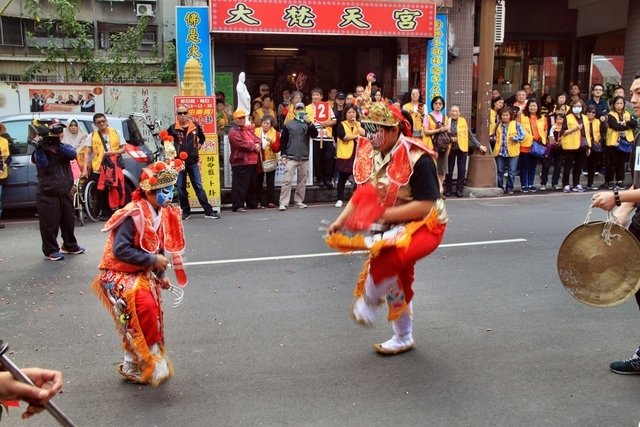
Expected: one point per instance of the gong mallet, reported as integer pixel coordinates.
(51, 407)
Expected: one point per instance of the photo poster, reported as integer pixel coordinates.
(202, 110)
(63, 98)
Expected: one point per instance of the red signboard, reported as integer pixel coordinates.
(409, 18)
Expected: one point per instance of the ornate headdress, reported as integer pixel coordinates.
(379, 113)
(160, 174)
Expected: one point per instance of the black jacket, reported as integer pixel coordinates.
(187, 140)
(294, 139)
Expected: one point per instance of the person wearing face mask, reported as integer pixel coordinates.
(398, 196)
(132, 271)
(294, 154)
(576, 143)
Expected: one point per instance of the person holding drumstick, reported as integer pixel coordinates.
(623, 203)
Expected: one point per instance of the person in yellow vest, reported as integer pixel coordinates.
(535, 128)
(416, 108)
(594, 161)
(620, 128)
(461, 137)
(270, 144)
(347, 133)
(323, 118)
(509, 135)
(103, 142)
(265, 110)
(296, 97)
(497, 104)
(434, 123)
(5, 156)
(576, 143)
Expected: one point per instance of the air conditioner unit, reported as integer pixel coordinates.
(145, 9)
(498, 31)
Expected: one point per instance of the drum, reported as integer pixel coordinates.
(599, 264)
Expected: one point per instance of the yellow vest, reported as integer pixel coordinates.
(513, 147)
(614, 135)
(426, 139)
(268, 152)
(259, 114)
(4, 153)
(571, 141)
(541, 123)
(492, 121)
(311, 112)
(416, 117)
(463, 134)
(98, 147)
(595, 128)
(344, 149)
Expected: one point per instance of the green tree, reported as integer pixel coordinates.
(69, 51)
(167, 73)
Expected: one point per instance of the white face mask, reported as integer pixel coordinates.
(576, 110)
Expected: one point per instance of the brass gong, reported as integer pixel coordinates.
(598, 274)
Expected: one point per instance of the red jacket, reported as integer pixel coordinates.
(243, 146)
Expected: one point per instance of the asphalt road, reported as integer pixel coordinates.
(269, 341)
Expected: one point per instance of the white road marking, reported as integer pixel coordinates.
(326, 254)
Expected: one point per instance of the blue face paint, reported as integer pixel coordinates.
(164, 195)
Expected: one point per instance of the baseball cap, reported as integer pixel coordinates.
(299, 105)
(341, 95)
(239, 113)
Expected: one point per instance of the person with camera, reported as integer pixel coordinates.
(53, 198)
(294, 154)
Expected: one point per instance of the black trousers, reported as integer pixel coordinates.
(616, 160)
(323, 160)
(56, 213)
(343, 177)
(573, 164)
(594, 162)
(458, 157)
(243, 187)
(102, 197)
(635, 230)
(271, 187)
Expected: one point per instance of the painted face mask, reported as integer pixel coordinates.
(164, 195)
(375, 133)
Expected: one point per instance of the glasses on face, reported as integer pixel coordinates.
(591, 112)
(101, 122)
(182, 113)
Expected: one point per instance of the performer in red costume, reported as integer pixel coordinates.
(132, 270)
(398, 195)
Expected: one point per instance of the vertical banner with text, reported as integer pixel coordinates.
(202, 110)
(437, 56)
(193, 51)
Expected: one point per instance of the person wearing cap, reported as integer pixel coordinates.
(294, 153)
(245, 149)
(188, 137)
(142, 237)
(339, 108)
(54, 201)
(398, 196)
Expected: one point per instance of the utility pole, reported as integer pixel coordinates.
(481, 178)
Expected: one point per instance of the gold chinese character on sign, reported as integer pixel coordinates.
(299, 16)
(192, 19)
(241, 13)
(353, 16)
(406, 19)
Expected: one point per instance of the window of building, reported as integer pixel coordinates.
(106, 31)
(11, 31)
